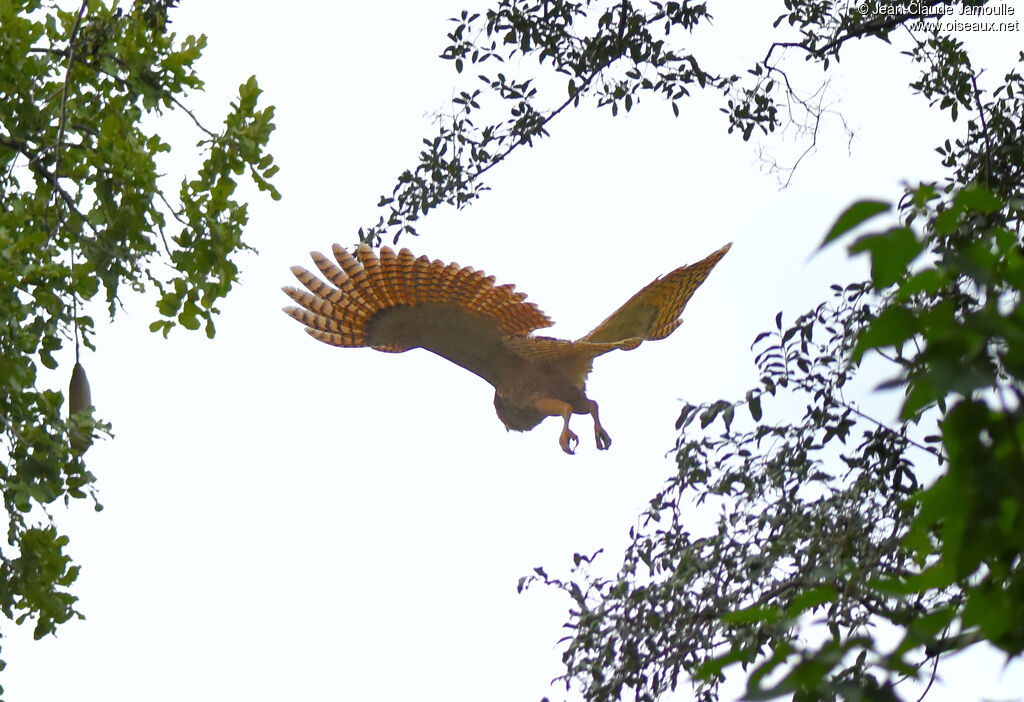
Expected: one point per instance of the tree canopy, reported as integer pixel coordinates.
(833, 524)
(86, 211)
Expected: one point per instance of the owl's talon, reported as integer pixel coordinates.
(568, 441)
(600, 435)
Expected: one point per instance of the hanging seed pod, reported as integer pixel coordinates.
(79, 398)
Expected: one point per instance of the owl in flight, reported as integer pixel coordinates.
(396, 302)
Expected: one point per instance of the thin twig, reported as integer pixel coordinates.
(36, 167)
(866, 29)
(174, 213)
(814, 111)
(519, 142)
(64, 103)
(931, 679)
(195, 119)
(881, 425)
(57, 156)
(984, 129)
(122, 82)
(14, 432)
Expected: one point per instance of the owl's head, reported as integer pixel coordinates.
(517, 417)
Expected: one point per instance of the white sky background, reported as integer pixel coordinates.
(286, 520)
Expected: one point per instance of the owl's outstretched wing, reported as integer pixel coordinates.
(396, 302)
(653, 313)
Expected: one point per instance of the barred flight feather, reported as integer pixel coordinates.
(653, 313)
(367, 285)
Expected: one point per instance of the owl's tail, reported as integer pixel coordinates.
(365, 285)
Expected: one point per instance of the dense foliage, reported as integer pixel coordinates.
(833, 571)
(83, 210)
(612, 54)
(849, 553)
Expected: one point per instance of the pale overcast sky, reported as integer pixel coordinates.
(286, 520)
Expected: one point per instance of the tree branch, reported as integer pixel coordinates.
(64, 108)
(520, 141)
(859, 32)
(880, 425)
(176, 215)
(40, 170)
(14, 432)
(122, 82)
(984, 131)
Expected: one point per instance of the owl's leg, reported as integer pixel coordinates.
(556, 408)
(600, 435)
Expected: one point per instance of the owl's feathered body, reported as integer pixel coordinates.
(396, 302)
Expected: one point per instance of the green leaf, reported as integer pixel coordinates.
(811, 599)
(978, 199)
(891, 254)
(892, 327)
(189, 321)
(929, 281)
(989, 609)
(855, 214)
(945, 222)
(754, 405)
(169, 304)
(756, 613)
(921, 395)
(712, 667)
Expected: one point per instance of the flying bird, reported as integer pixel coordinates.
(396, 302)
